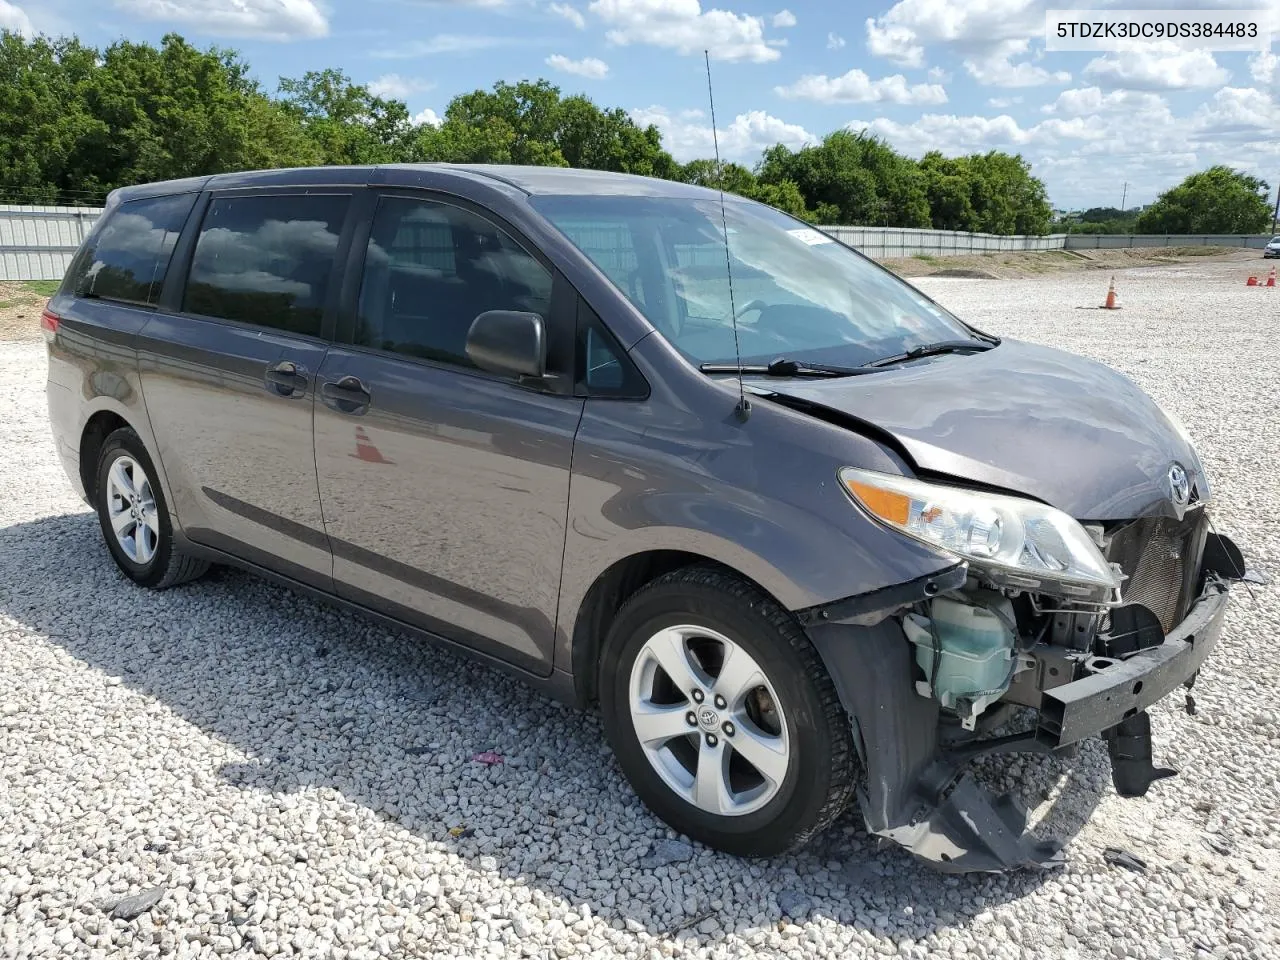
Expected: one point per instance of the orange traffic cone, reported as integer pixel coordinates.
(1251, 282)
(1113, 302)
(365, 450)
(1271, 277)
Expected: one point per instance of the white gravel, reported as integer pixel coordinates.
(289, 774)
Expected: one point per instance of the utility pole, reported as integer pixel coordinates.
(1124, 193)
(1275, 217)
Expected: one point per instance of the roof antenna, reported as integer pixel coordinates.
(743, 409)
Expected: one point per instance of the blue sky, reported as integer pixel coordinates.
(953, 75)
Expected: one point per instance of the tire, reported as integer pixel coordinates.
(753, 810)
(132, 499)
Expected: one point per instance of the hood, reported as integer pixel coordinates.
(1063, 429)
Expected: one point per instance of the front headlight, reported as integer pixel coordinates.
(1009, 535)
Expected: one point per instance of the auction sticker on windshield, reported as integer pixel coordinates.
(811, 237)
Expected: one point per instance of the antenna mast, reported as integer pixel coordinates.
(743, 409)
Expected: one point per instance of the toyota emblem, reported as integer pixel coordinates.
(1179, 485)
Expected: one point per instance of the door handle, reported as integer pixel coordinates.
(286, 378)
(346, 394)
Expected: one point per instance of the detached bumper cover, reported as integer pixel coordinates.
(1118, 689)
(917, 793)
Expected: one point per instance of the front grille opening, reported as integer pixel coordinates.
(1160, 558)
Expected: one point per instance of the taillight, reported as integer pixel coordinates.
(49, 322)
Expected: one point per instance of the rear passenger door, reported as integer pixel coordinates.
(229, 374)
(445, 487)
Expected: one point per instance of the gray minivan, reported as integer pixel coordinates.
(801, 534)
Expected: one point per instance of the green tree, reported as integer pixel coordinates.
(44, 120)
(948, 184)
(76, 123)
(347, 123)
(857, 176)
(1217, 200)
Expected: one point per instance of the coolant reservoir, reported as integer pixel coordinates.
(976, 660)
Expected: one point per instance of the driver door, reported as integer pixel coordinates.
(444, 487)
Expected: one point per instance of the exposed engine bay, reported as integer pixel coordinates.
(980, 649)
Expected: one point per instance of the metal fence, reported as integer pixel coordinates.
(1107, 241)
(885, 243)
(36, 243)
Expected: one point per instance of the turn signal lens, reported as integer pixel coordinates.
(49, 321)
(885, 504)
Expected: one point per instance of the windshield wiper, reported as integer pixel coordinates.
(784, 367)
(933, 349)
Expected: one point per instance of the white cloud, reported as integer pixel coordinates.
(429, 117)
(1265, 68)
(894, 43)
(588, 67)
(938, 75)
(443, 43)
(995, 67)
(856, 87)
(784, 18)
(1238, 115)
(974, 23)
(1003, 103)
(987, 34)
(683, 26)
(396, 87)
(1162, 67)
(570, 13)
(258, 19)
(742, 140)
(834, 41)
(15, 18)
(1087, 101)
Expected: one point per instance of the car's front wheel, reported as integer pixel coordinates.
(134, 517)
(723, 716)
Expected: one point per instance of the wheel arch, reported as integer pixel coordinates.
(96, 430)
(607, 594)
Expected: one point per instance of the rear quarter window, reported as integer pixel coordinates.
(128, 257)
(267, 260)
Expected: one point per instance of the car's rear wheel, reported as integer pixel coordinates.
(722, 715)
(134, 517)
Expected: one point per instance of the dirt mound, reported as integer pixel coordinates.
(20, 307)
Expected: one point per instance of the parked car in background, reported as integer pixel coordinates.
(1272, 249)
(800, 533)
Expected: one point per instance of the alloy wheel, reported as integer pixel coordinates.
(708, 720)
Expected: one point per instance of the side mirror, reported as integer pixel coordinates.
(509, 342)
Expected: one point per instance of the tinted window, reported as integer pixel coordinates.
(127, 258)
(611, 248)
(266, 260)
(431, 269)
(603, 367)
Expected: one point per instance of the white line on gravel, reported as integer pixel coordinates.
(289, 774)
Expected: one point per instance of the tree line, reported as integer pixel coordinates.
(77, 122)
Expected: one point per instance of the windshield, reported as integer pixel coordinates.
(797, 292)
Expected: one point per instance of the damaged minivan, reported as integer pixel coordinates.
(804, 537)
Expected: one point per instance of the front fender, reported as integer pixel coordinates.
(761, 497)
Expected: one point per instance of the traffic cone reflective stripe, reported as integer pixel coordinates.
(1113, 302)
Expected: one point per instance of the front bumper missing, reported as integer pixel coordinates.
(917, 793)
(1115, 690)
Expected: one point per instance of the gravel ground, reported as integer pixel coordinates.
(254, 773)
